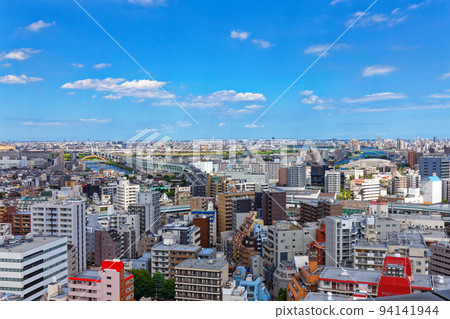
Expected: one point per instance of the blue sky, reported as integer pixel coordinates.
(222, 64)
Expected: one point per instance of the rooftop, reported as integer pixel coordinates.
(88, 274)
(410, 239)
(202, 264)
(21, 245)
(351, 275)
(319, 296)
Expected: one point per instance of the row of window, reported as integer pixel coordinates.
(10, 260)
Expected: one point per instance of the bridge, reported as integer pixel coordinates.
(148, 164)
(93, 156)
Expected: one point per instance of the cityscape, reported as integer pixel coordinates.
(152, 161)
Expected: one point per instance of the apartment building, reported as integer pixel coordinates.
(333, 181)
(286, 240)
(341, 234)
(369, 255)
(144, 198)
(126, 194)
(273, 206)
(180, 253)
(110, 283)
(410, 244)
(314, 210)
(63, 219)
(225, 209)
(182, 195)
(440, 259)
(200, 279)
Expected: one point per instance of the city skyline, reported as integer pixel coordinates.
(63, 78)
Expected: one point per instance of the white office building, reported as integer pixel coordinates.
(150, 198)
(297, 175)
(332, 181)
(28, 265)
(126, 194)
(67, 219)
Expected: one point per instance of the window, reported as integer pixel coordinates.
(108, 293)
(108, 277)
(108, 286)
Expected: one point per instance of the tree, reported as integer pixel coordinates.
(282, 294)
(143, 283)
(158, 284)
(169, 289)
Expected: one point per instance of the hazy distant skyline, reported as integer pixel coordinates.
(63, 78)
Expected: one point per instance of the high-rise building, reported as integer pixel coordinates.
(273, 206)
(225, 209)
(182, 195)
(440, 259)
(126, 194)
(200, 279)
(341, 234)
(241, 208)
(412, 180)
(283, 176)
(434, 164)
(212, 216)
(398, 181)
(313, 210)
(286, 240)
(297, 175)
(63, 219)
(108, 245)
(333, 181)
(215, 185)
(201, 203)
(150, 198)
(110, 283)
(355, 146)
(28, 264)
(180, 253)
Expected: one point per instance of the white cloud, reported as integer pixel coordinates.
(337, 1)
(439, 96)
(377, 70)
(221, 124)
(184, 124)
(321, 107)
(96, 121)
(310, 98)
(102, 65)
(36, 26)
(31, 123)
(392, 109)
(77, 65)
(145, 89)
(149, 3)
(241, 35)
(318, 49)
(246, 110)
(230, 96)
(445, 76)
(262, 44)
(70, 93)
(390, 19)
(18, 54)
(414, 6)
(112, 97)
(18, 79)
(383, 96)
(254, 126)
(6, 65)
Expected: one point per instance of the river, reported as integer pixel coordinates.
(95, 166)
